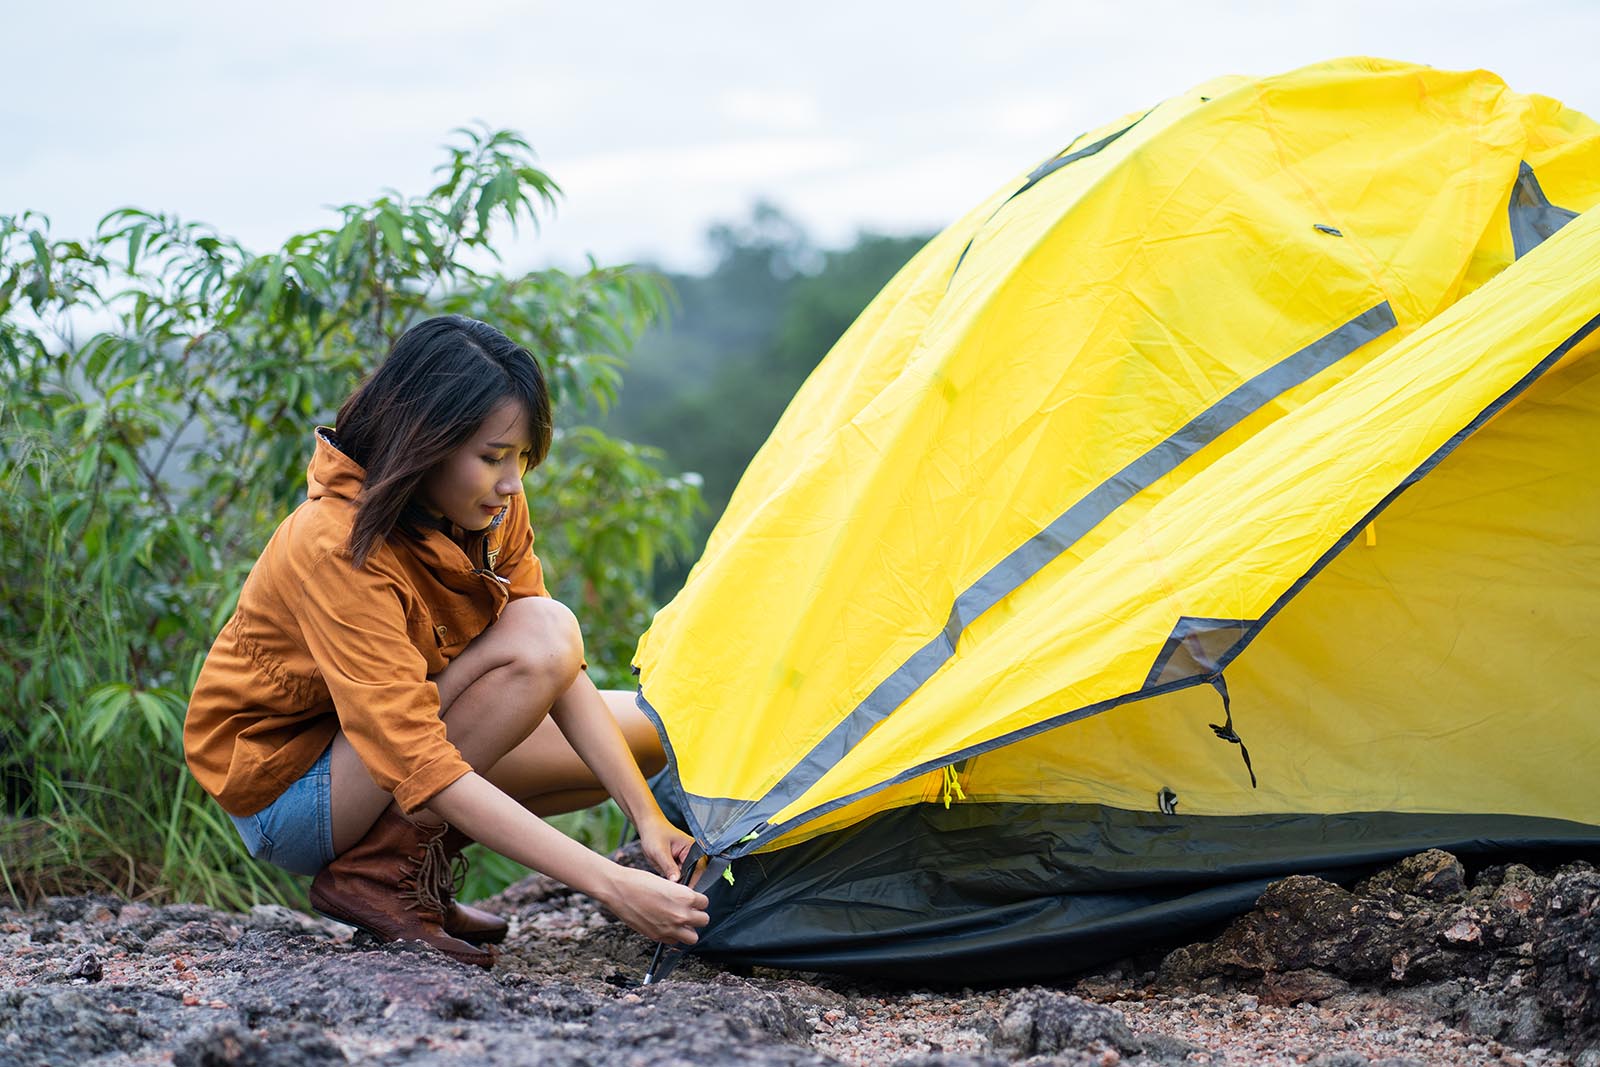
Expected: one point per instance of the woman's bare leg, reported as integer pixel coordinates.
(494, 696)
(546, 775)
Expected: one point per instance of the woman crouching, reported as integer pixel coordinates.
(396, 681)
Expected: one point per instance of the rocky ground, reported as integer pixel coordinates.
(1418, 965)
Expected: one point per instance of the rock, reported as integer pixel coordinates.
(1042, 1021)
(1300, 923)
(407, 981)
(1499, 1013)
(227, 1046)
(67, 1026)
(192, 937)
(1166, 1049)
(1432, 875)
(277, 918)
(1516, 956)
(74, 909)
(1341, 1058)
(86, 965)
(1567, 958)
(1301, 987)
(734, 1009)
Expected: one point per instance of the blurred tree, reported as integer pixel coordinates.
(708, 387)
(158, 387)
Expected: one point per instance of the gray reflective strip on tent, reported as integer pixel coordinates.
(1522, 384)
(1049, 167)
(1042, 171)
(1253, 629)
(1533, 217)
(1041, 549)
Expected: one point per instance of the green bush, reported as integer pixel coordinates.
(158, 388)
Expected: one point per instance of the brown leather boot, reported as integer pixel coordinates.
(463, 920)
(387, 884)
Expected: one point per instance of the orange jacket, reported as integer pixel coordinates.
(317, 645)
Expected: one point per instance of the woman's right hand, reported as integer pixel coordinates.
(659, 909)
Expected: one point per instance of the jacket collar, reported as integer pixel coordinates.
(331, 472)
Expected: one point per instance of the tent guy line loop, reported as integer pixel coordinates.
(1225, 731)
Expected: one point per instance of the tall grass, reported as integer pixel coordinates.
(98, 796)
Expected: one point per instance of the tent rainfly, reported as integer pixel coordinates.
(1216, 501)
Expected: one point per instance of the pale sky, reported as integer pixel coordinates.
(658, 119)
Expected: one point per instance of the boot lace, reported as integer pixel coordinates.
(425, 885)
(453, 875)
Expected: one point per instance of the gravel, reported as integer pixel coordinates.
(100, 982)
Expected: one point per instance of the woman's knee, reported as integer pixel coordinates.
(541, 640)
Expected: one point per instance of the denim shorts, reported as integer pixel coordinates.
(295, 831)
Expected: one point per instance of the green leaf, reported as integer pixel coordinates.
(272, 286)
(125, 463)
(135, 239)
(349, 233)
(8, 288)
(93, 419)
(157, 717)
(394, 240)
(104, 708)
(83, 474)
(488, 199)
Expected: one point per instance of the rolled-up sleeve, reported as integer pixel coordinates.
(354, 624)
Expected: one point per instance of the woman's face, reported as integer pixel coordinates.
(475, 482)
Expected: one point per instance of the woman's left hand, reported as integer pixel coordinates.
(665, 846)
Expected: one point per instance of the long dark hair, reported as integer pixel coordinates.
(440, 381)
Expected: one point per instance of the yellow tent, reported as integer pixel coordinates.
(1283, 390)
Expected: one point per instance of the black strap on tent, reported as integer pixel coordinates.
(1226, 731)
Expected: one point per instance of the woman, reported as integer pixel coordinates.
(396, 680)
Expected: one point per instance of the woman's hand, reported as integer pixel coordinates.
(665, 846)
(658, 909)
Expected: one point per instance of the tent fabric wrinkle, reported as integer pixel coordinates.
(960, 635)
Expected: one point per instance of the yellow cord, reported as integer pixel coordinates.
(952, 787)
